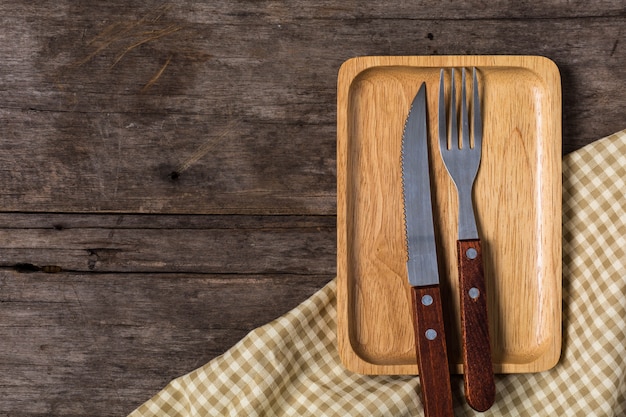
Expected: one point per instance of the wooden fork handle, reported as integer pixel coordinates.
(432, 356)
(480, 388)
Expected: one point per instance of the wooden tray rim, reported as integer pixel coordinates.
(348, 72)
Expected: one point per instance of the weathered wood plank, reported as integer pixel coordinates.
(100, 344)
(61, 221)
(226, 111)
(137, 169)
(203, 244)
(231, 11)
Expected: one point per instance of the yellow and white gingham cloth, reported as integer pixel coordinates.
(290, 367)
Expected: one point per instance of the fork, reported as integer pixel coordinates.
(462, 161)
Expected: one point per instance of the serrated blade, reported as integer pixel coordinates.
(418, 217)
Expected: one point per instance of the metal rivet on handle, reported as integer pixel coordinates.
(474, 293)
(471, 253)
(427, 300)
(431, 334)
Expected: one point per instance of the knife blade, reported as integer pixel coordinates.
(422, 269)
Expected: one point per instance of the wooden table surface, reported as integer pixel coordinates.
(168, 170)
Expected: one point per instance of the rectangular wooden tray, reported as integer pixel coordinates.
(517, 198)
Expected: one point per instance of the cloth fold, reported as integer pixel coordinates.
(291, 367)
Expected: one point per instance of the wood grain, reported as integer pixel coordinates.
(480, 389)
(164, 112)
(517, 197)
(430, 348)
(160, 244)
(78, 344)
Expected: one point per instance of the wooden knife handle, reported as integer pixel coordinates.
(480, 390)
(432, 355)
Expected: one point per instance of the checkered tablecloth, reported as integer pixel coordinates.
(290, 367)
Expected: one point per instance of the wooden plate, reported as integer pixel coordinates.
(517, 197)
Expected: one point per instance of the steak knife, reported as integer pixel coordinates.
(422, 269)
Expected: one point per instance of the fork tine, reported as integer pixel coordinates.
(477, 119)
(443, 134)
(465, 144)
(454, 128)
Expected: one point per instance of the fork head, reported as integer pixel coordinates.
(462, 157)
